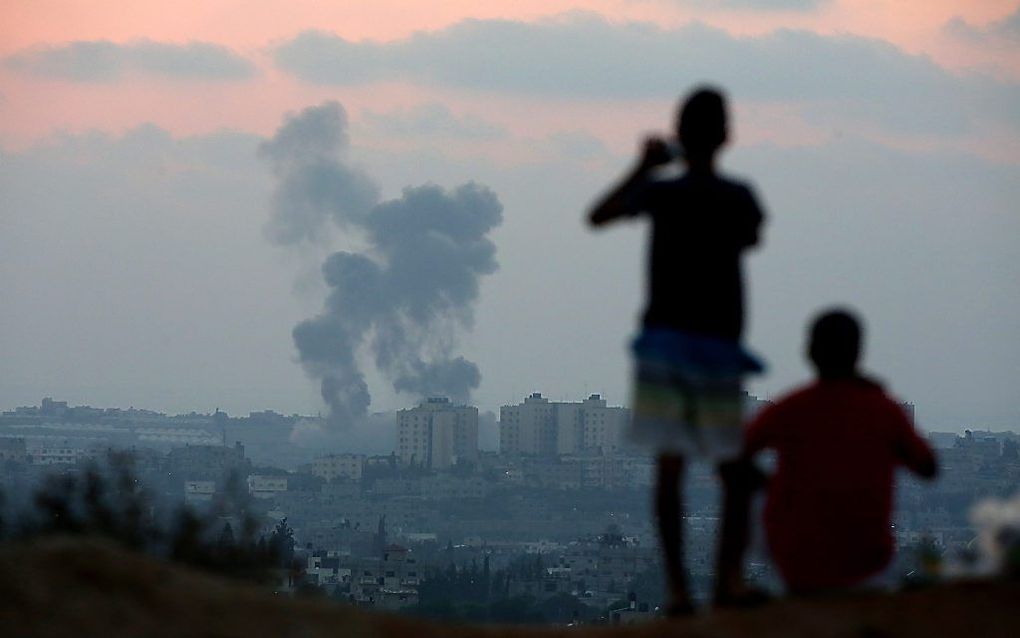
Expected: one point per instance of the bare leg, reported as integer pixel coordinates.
(670, 518)
(740, 479)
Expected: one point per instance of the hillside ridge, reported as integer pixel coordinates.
(70, 586)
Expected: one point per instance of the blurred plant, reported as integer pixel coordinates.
(998, 535)
(281, 544)
(929, 560)
(109, 501)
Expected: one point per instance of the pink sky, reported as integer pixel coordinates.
(32, 108)
(243, 25)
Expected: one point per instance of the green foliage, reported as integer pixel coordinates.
(477, 594)
(110, 502)
(107, 503)
(563, 608)
(281, 544)
(463, 585)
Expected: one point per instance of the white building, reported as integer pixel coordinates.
(540, 426)
(64, 453)
(199, 491)
(437, 434)
(12, 449)
(266, 486)
(602, 427)
(344, 466)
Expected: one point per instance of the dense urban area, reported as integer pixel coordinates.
(555, 525)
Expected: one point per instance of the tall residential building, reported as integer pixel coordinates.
(529, 427)
(437, 434)
(539, 426)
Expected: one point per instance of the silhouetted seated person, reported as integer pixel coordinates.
(689, 363)
(838, 441)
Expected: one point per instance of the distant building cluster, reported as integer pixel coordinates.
(387, 580)
(55, 433)
(547, 428)
(561, 509)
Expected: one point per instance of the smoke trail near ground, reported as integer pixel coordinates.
(408, 295)
(997, 523)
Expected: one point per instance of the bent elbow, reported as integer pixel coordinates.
(928, 469)
(601, 216)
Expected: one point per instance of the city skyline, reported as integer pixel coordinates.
(491, 417)
(382, 533)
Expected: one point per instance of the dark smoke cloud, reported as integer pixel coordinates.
(315, 186)
(411, 293)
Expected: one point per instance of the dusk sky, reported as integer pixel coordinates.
(142, 261)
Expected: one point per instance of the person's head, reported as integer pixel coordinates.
(834, 343)
(701, 123)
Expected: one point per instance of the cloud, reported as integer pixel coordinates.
(1007, 29)
(105, 61)
(583, 56)
(432, 120)
(578, 145)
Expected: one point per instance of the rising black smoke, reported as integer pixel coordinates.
(314, 186)
(408, 294)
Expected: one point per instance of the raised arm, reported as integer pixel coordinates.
(618, 202)
(913, 451)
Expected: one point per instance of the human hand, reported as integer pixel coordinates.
(655, 152)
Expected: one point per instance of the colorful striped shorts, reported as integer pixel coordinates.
(688, 396)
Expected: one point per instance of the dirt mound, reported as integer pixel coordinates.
(83, 588)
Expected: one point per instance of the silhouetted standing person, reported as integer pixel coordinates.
(838, 441)
(689, 364)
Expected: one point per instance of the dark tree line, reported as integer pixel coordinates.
(476, 593)
(111, 503)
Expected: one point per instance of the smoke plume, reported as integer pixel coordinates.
(408, 295)
(314, 186)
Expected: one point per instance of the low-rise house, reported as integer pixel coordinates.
(199, 491)
(338, 466)
(266, 486)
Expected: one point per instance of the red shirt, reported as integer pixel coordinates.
(829, 505)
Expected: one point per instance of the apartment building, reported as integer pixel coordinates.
(437, 434)
(538, 426)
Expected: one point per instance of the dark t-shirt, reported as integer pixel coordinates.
(829, 505)
(701, 223)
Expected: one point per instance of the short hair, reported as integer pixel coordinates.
(701, 123)
(835, 341)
